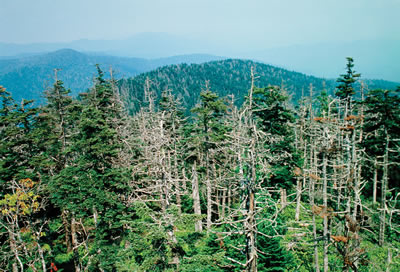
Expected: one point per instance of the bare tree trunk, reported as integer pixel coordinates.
(312, 203)
(196, 197)
(339, 183)
(251, 251)
(355, 162)
(375, 182)
(229, 199)
(209, 203)
(283, 198)
(223, 201)
(75, 244)
(13, 246)
(251, 228)
(177, 185)
(325, 204)
(389, 260)
(383, 192)
(298, 198)
(209, 193)
(41, 255)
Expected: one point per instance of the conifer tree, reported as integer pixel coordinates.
(382, 124)
(275, 118)
(345, 89)
(22, 192)
(92, 184)
(209, 112)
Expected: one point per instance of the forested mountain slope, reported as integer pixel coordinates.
(226, 77)
(27, 77)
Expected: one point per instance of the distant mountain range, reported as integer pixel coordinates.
(27, 76)
(143, 45)
(375, 59)
(225, 77)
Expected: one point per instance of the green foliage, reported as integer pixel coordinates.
(76, 151)
(275, 118)
(273, 255)
(17, 124)
(209, 115)
(345, 89)
(225, 77)
(382, 123)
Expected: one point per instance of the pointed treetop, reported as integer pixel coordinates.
(346, 87)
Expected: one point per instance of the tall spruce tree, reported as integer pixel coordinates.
(276, 119)
(211, 132)
(92, 184)
(345, 89)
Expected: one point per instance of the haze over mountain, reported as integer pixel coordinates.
(27, 77)
(378, 59)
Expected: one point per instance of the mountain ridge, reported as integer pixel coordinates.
(28, 76)
(225, 77)
(376, 58)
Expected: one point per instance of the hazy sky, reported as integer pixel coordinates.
(268, 22)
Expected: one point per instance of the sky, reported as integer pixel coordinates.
(267, 23)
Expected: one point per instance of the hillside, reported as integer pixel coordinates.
(226, 77)
(27, 77)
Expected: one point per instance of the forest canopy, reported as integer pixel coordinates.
(135, 176)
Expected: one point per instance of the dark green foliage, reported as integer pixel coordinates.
(382, 111)
(275, 118)
(272, 110)
(17, 148)
(89, 181)
(209, 114)
(276, 258)
(225, 77)
(345, 89)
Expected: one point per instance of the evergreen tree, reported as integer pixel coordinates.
(22, 225)
(275, 119)
(17, 124)
(93, 183)
(211, 132)
(345, 89)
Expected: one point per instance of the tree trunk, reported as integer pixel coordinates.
(196, 197)
(251, 250)
(41, 255)
(298, 198)
(223, 201)
(383, 192)
(177, 185)
(325, 204)
(356, 176)
(209, 202)
(209, 193)
(283, 198)
(375, 184)
(64, 217)
(313, 165)
(75, 245)
(13, 246)
(389, 260)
